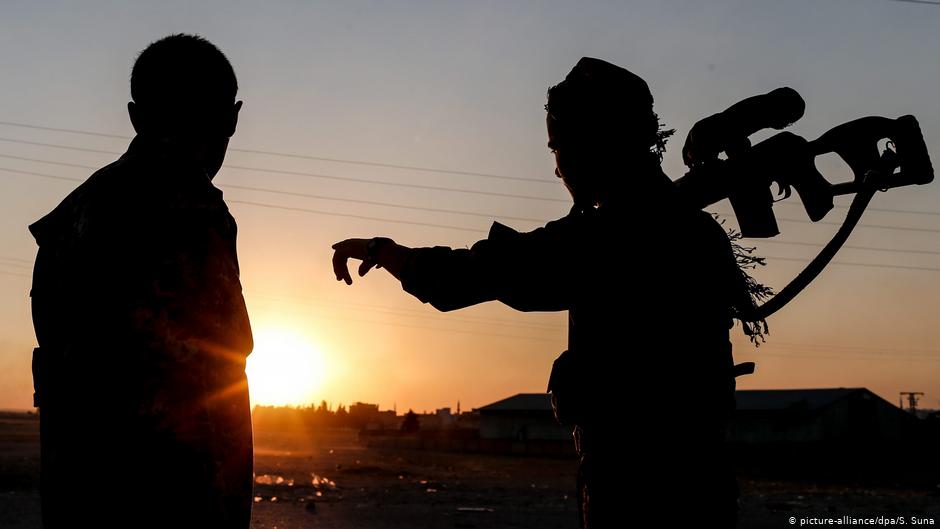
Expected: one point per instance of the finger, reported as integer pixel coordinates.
(340, 268)
(344, 244)
(365, 267)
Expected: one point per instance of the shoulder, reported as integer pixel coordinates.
(708, 226)
(576, 222)
(708, 237)
(77, 212)
(133, 193)
(557, 235)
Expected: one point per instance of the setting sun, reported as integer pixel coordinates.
(285, 368)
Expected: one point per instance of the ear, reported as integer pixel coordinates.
(234, 123)
(136, 119)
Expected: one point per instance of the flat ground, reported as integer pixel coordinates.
(329, 480)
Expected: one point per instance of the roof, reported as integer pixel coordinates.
(522, 402)
(780, 399)
(747, 400)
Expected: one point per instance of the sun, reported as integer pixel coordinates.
(285, 368)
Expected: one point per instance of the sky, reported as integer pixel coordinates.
(357, 87)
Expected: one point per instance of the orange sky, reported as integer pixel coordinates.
(462, 87)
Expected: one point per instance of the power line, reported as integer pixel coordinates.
(799, 221)
(73, 131)
(377, 203)
(51, 162)
(394, 184)
(893, 210)
(844, 263)
(394, 166)
(852, 247)
(313, 175)
(879, 226)
(882, 351)
(474, 230)
(435, 328)
(485, 215)
(370, 163)
(17, 265)
(758, 354)
(840, 352)
(872, 351)
(459, 228)
(287, 208)
(307, 195)
(43, 175)
(837, 354)
(424, 311)
(842, 357)
(881, 210)
(420, 186)
(354, 216)
(305, 156)
(59, 146)
(479, 214)
(406, 313)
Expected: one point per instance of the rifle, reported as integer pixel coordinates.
(746, 173)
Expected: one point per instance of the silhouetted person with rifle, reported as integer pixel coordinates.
(138, 311)
(651, 285)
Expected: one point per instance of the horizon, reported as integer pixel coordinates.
(332, 407)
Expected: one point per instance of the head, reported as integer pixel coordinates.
(183, 88)
(602, 129)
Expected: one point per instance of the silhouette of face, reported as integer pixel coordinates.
(215, 141)
(573, 166)
(203, 130)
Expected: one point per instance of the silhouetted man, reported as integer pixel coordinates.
(649, 284)
(138, 310)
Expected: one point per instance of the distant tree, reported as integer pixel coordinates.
(341, 416)
(411, 422)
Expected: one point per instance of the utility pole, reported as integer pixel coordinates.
(912, 398)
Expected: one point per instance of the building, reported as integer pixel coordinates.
(522, 417)
(846, 434)
(368, 416)
(762, 416)
(817, 415)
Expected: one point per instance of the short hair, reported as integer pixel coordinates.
(182, 70)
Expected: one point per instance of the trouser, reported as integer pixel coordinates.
(668, 484)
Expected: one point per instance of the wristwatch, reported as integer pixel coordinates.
(374, 246)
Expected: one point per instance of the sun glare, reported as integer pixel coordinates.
(285, 368)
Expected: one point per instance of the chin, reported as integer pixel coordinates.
(215, 156)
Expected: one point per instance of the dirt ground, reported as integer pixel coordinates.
(329, 480)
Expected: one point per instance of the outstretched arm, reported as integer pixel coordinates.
(446, 278)
(534, 271)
